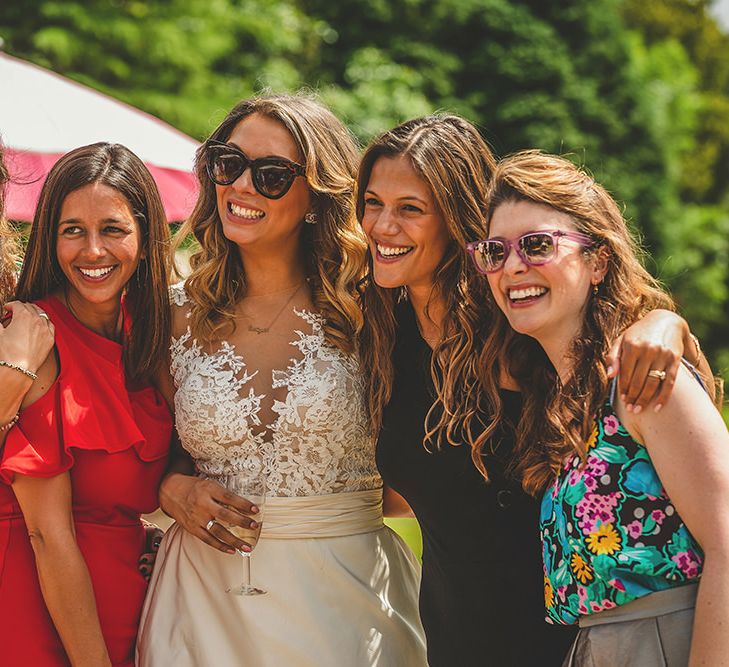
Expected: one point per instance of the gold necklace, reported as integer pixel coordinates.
(262, 330)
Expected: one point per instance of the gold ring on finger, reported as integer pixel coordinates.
(658, 375)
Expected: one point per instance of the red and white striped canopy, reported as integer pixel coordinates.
(44, 115)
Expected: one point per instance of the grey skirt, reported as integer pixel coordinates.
(653, 631)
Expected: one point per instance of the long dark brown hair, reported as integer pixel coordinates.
(450, 155)
(334, 247)
(146, 294)
(558, 419)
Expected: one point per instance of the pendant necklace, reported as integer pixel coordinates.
(262, 330)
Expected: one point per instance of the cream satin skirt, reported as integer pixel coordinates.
(342, 591)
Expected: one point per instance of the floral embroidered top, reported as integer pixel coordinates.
(609, 531)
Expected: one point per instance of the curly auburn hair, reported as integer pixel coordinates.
(558, 419)
(146, 294)
(9, 253)
(334, 247)
(450, 156)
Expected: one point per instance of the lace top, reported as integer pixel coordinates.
(318, 442)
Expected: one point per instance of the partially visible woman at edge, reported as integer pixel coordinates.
(87, 454)
(27, 339)
(421, 198)
(634, 517)
(264, 372)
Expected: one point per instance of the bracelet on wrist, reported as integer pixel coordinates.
(11, 423)
(20, 369)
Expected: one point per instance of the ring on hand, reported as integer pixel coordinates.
(210, 524)
(44, 316)
(658, 375)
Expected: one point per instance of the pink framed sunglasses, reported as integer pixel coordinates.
(534, 249)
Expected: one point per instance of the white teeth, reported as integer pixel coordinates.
(249, 213)
(96, 273)
(392, 251)
(516, 294)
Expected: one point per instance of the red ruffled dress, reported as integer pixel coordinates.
(114, 442)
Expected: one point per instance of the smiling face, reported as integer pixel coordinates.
(407, 234)
(249, 219)
(98, 245)
(545, 302)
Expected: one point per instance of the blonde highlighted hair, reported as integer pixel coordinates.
(334, 248)
(558, 419)
(452, 158)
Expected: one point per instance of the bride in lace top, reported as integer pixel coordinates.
(306, 420)
(264, 368)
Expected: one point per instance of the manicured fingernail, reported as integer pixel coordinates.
(658, 407)
(230, 551)
(609, 370)
(629, 407)
(246, 548)
(254, 509)
(254, 524)
(637, 409)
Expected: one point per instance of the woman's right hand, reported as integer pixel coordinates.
(194, 501)
(28, 338)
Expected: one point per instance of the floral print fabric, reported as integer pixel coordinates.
(609, 531)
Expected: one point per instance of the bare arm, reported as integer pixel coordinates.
(62, 572)
(689, 446)
(655, 342)
(25, 342)
(394, 506)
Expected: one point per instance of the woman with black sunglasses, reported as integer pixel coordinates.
(264, 375)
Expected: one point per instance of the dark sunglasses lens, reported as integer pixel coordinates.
(224, 166)
(273, 180)
(489, 256)
(538, 248)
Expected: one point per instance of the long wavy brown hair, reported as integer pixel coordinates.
(146, 294)
(450, 155)
(9, 253)
(334, 248)
(557, 419)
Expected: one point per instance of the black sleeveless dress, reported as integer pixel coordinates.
(482, 592)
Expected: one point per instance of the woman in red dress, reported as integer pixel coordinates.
(87, 454)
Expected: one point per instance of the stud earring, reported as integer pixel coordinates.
(311, 218)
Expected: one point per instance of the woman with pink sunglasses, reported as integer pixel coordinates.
(633, 519)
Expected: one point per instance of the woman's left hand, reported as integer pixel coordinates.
(154, 536)
(654, 343)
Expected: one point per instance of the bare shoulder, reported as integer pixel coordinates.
(688, 417)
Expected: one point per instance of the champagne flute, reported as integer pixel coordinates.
(250, 484)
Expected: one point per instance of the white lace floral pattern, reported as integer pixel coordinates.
(319, 442)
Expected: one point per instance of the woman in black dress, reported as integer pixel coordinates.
(421, 191)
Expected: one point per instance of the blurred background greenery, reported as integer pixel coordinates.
(636, 90)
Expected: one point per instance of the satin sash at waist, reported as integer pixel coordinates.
(333, 515)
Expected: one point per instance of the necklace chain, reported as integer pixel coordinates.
(262, 330)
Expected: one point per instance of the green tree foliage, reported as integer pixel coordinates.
(637, 91)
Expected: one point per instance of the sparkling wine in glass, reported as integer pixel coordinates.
(249, 484)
